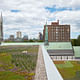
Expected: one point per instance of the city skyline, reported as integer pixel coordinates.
(30, 16)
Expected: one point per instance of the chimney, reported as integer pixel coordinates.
(55, 23)
(58, 22)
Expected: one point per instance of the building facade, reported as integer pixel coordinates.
(40, 36)
(1, 28)
(57, 32)
(11, 38)
(25, 37)
(19, 35)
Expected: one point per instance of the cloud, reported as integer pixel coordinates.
(29, 16)
(70, 17)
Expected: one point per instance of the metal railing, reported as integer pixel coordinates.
(51, 70)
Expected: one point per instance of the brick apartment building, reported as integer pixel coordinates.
(57, 32)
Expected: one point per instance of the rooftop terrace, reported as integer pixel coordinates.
(50, 71)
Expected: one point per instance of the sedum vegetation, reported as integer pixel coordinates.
(70, 70)
(24, 61)
(15, 65)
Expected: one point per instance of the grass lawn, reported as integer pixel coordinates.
(6, 75)
(15, 65)
(70, 70)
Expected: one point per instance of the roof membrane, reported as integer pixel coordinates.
(77, 51)
(59, 46)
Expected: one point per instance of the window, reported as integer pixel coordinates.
(56, 37)
(68, 30)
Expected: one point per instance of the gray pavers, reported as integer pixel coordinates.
(40, 68)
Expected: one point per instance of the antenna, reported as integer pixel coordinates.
(46, 21)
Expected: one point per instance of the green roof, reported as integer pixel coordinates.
(59, 46)
(77, 51)
(52, 45)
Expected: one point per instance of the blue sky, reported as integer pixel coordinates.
(15, 11)
(29, 16)
(75, 34)
(54, 9)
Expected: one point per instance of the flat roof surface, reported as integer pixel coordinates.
(59, 46)
(51, 46)
(77, 51)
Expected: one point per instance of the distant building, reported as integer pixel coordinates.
(11, 38)
(1, 28)
(40, 36)
(57, 32)
(19, 35)
(25, 37)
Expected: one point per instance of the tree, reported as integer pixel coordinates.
(79, 37)
(78, 41)
(74, 42)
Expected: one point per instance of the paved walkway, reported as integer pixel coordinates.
(40, 68)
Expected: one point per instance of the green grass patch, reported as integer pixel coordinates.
(5, 61)
(65, 65)
(70, 70)
(6, 75)
(5, 58)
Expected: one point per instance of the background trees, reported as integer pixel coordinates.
(76, 42)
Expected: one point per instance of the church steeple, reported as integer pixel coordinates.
(1, 19)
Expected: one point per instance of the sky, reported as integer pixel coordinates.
(30, 16)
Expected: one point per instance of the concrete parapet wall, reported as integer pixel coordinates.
(40, 67)
(51, 70)
(46, 69)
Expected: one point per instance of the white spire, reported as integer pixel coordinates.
(1, 17)
(1, 27)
